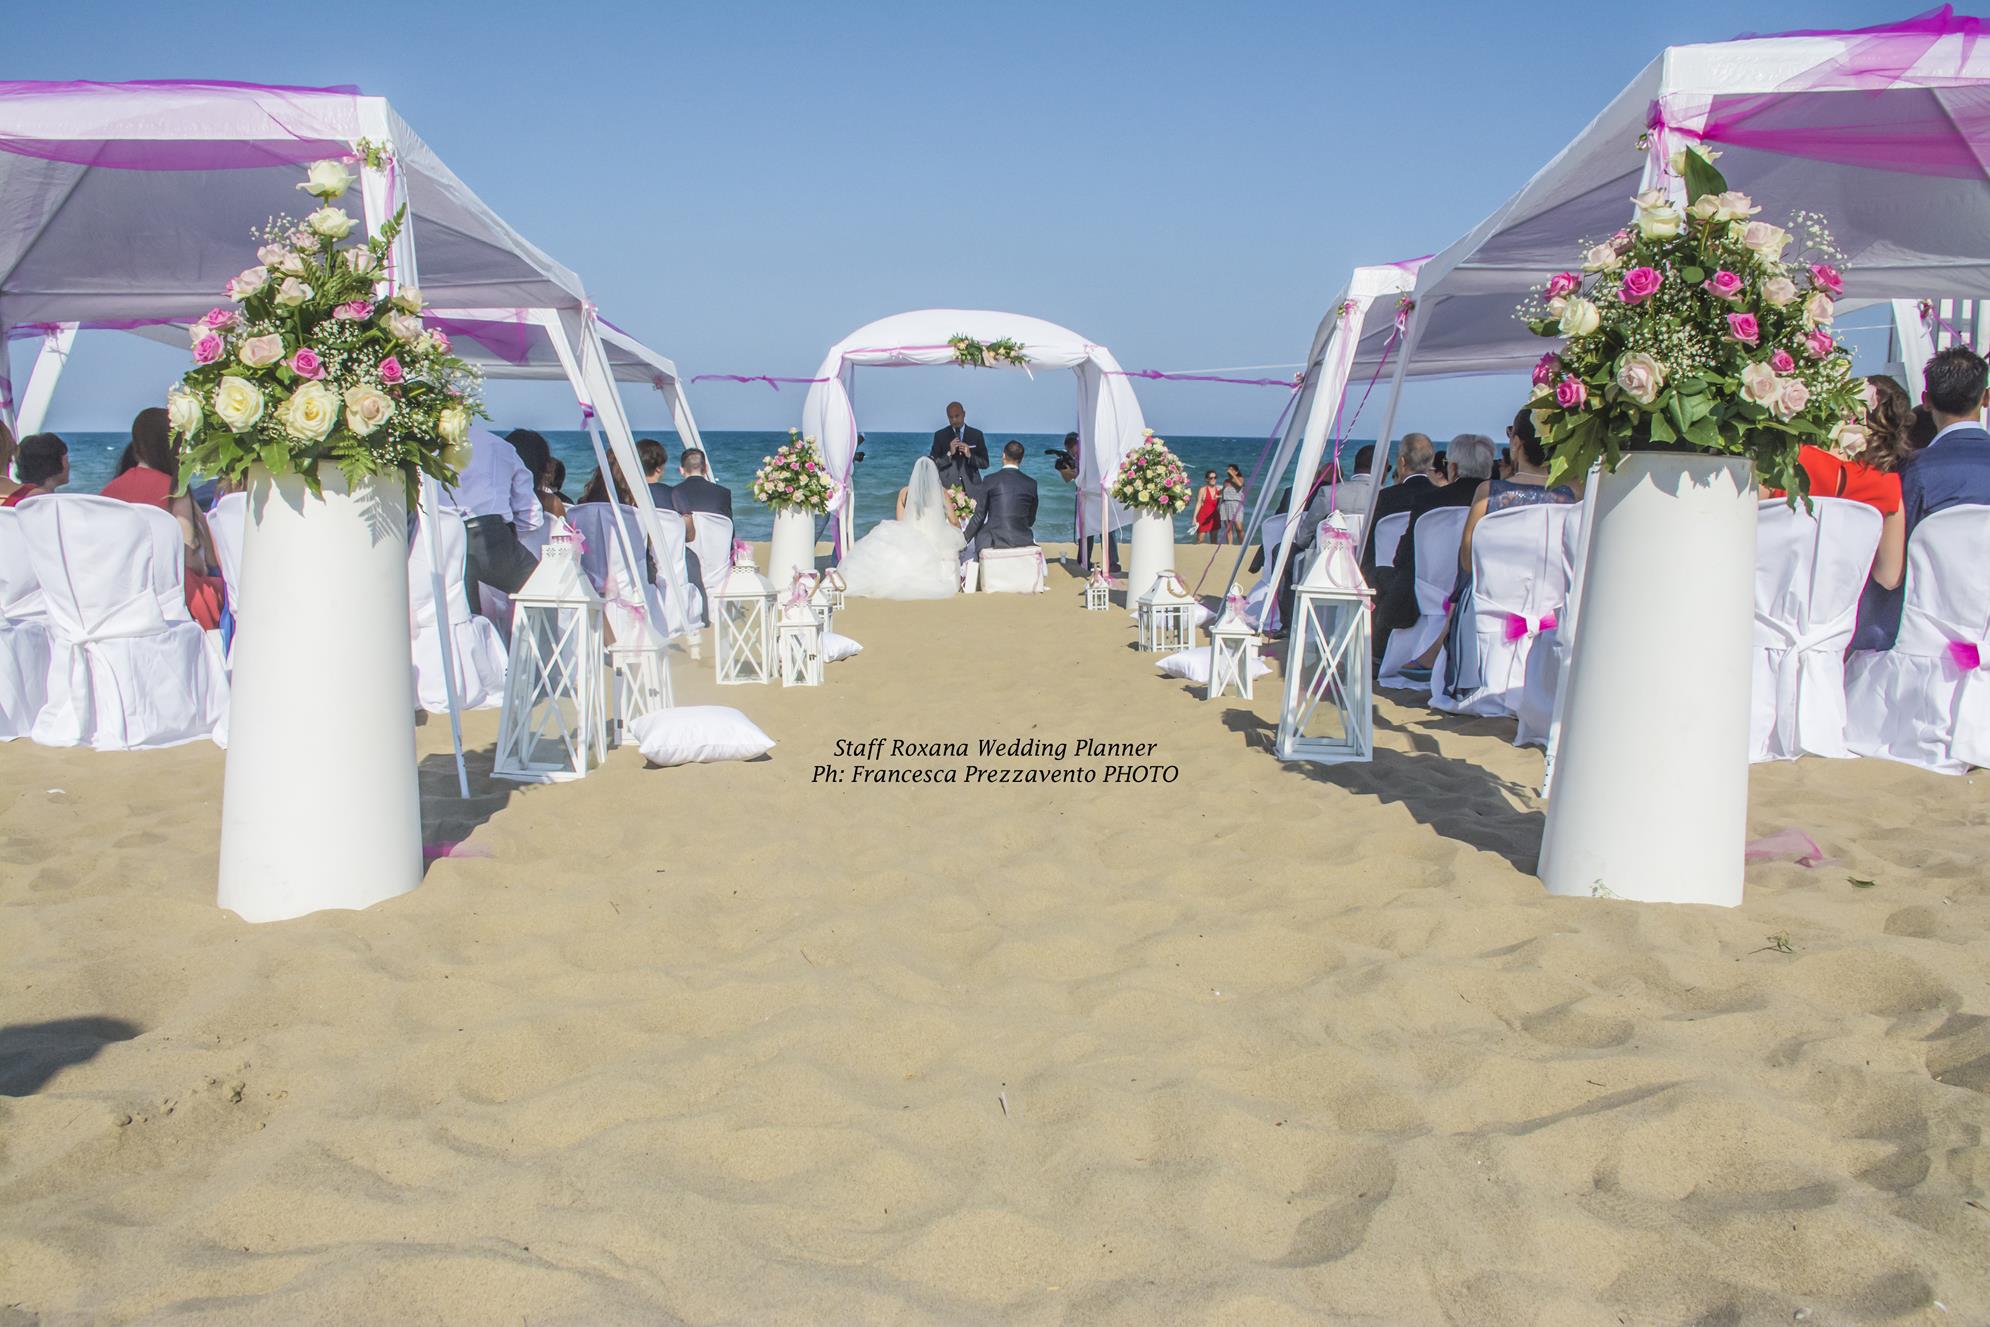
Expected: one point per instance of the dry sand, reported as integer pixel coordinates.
(1265, 1045)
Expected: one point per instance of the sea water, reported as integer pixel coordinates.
(887, 464)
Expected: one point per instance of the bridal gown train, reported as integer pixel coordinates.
(916, 557)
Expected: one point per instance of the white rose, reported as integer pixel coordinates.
(292, 292)
(1791, 398)
(362, 261)
(330, 222)
(1580, 318)
(453, 426)
(403, 326)
(1848, 439)
(1760, 384)
(1640, 376)
(1705, 207)
(1764, 239)
(292, 263)
(248, 282)
(259, 352)
(408, 299)
(1602, 258)
(1677, 159)
(183, 412)
(366, 408)
(1658, 218)
(310, 412)
(238, 402)
(1818, 309)
(327, 180)
(269, 255)
(1734, 206)
(1779, 291)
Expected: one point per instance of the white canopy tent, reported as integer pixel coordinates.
(1109, 422)
(125, 204)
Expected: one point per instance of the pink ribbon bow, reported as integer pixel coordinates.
(1967, 655)
(1518, 627)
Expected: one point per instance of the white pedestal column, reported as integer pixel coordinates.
(1152, 552)
(1650, 796)
(320, 806)
(792, 548)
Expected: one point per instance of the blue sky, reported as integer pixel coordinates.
(742, 184)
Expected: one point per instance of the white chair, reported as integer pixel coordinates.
(228, 522)
(1925, 701)
(475, 646)
(673, 577)
(1810, 567)
(1437, 534)
(712, 542)
(629, 596)
(128, 668)
(24, 642)
(1536, 707)
(1520, 582)
(1013, 571)
(1260, 604)
(1389, 533)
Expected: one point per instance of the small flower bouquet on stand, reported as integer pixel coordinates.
(795, 482)
(1153, 485)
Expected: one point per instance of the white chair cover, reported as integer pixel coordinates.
(24, 646)
(713, 545)
(476, 648)
(673, 574)
(228, 522)
(1536, 709)
(1810, 567)
(630, 599)
(1437, 534)
(124, 673)
(1260, 604)
(1520, 582)
(1013, 571)
(1925, 701)
(1389, 533)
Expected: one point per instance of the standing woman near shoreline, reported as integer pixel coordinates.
(1230, 508)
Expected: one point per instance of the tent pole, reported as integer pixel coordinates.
(50, 360)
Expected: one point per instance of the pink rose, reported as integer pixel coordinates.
(353, 311)
(441, 339)
(1640, 284)
(1742, 327)
(1825, 275)
(1781, 361)
(1571, 393)
(306, 364)
(219, 318)
(1546, 369)
(1622, 241)
(390, 370)
(1724, 285)
(1819, 342)
(207, 349)
(1791, 400)
(1562, 283)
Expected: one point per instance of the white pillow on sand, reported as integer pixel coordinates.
(1192, 665)
(694, 733)
(835, 648)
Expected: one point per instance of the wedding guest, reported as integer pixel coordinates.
(597, 491)
(1468, 462)
(1869, 470)
(147, 471)
(1206, 499)
(654, 457)
(500, 508)
(7, 449)
(695, 491)
(1952, 471)
(1921, 431)
(552, 487)
(1230, 507)
(42, 466)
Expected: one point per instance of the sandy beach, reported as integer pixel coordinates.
(1264, 1044)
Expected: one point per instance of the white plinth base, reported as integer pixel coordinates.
(1151, 552)
(792, 548)
(320, 807)
(1650, 797)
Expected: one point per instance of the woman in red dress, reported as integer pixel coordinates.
(1205, 507)
(146, 474)
(1863, 465)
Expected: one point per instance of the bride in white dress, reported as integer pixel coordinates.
(916, 556)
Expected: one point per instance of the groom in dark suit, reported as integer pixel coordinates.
(959, 451)
(1004, 509)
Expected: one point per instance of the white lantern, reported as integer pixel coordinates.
(1233, 649)
(1167, 615)
(823, 600)
(1329, 711)
(799, 640)
(1098, 591)
(743, 623)
(640, 673)
(554, 725)
(831, 587)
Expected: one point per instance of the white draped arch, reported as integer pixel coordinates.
(1109, 421)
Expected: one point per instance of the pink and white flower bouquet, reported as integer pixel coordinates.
(960, 506)
(1699, 326)
(316, 365)
(1151, 479)
(794, 476)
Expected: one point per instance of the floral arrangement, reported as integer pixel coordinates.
(793, 476)
(960, 506)
(315, 366)
(1151, 479)
(972, 354)
(1697, 326)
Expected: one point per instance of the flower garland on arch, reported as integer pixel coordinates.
(314, 368)
(973, 354)
(1693, 326)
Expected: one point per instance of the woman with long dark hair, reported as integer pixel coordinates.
(147, 473)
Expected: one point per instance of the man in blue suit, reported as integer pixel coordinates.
(1951, 471)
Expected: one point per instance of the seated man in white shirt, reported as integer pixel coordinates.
(497, 499)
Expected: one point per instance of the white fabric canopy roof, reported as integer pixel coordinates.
(1109, 422)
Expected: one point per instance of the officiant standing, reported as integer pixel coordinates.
(959, 450)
